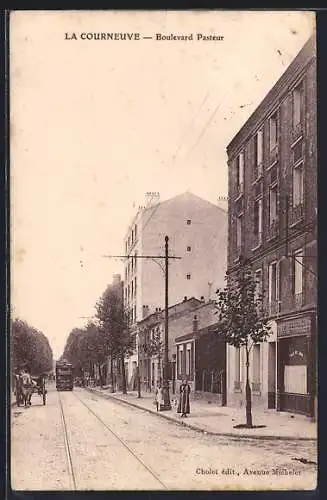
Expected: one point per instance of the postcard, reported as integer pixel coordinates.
(163, 169)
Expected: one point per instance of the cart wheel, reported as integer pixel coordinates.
(44, 398)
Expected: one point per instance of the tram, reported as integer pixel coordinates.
(64, 376)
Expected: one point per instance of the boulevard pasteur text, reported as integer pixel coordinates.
(177, 37)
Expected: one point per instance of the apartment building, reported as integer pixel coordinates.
(272, 164)
(197, 231)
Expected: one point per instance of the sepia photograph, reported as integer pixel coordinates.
(163, 206)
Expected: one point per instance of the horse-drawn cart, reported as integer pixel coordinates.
(25, 390)
(40, 388)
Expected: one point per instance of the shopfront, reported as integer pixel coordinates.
(296, 365)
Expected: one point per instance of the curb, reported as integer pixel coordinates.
(198, 428)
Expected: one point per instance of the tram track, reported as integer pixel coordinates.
(68, 449)
(68, 446)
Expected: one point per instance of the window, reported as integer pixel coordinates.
(134, 313)
(273, 131)
(256, 365)
(135, 261)
(188, 276)
(188, 222)
(188, 249)
(180, 359)
(258, 219)
(258, 283)
(272, 203)
(298, 185)
(239, 232)
(240, 172)
(298, 272)
(297, 150)
(258, 148)
(188, 360)
(135, 232)
(273, 283)
(132, 289)
(297, 105)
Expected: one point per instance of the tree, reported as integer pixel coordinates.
(242, 322)
(113, 325)
(30, 348)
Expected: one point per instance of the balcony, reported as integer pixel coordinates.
(239, 189)
(272, 231)
(311, 295)
(292, 302)
(296, 214)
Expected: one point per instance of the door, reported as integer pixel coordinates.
(272, 375)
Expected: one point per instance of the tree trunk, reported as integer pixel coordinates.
(112, 374)
(248, 394)
(123, 374)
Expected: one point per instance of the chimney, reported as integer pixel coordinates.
(195, 326)
(185, 299)
(116, 279)
(202, 298)
(152, 198)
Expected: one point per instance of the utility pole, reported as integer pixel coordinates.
(166, 257)
(165, 385)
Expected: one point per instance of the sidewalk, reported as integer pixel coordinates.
(218, 420)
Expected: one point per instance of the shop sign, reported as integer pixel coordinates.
(294, 327)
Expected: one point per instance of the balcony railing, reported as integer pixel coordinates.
(296, 214)
(292, 302)
(311, 295)
(272, 231)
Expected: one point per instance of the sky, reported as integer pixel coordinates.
(95, 124)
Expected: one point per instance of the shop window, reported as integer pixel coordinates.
(295, 368)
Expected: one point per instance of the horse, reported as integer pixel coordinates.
(26, 387)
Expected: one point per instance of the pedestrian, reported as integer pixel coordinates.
(159, 398)
(184, 398)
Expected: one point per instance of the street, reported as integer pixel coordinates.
(81, 441)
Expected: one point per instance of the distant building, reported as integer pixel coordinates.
(197, 231)
(272, 226)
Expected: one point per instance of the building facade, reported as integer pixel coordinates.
(272, 165)
(197, 231)
(201, 355)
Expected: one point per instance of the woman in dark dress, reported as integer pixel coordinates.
(184, 399)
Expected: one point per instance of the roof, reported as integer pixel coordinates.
(200, 333)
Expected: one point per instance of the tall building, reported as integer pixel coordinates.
(272, 164)
(197, 231)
